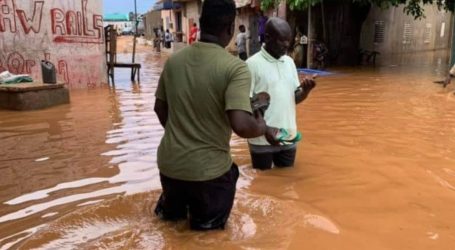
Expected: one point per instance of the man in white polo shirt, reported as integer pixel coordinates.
(274, 72)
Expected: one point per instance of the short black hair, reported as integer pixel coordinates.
(216, 15)
(241, 26)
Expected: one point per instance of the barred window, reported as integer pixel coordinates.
(379, 28)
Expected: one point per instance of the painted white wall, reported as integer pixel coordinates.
(69, 33)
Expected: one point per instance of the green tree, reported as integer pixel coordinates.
(412, 7)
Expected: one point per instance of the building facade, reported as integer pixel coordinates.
(69, 33)
(391, 31)
(121, 22)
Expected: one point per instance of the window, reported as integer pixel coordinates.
(407, 33)
(443, 29)
(427, 33)
(379, 31)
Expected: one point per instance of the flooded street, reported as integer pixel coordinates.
(375, 169)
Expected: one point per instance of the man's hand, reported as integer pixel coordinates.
(270, 136)
(306, 85)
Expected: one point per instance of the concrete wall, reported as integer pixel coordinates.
(191, 16)
(403, 33)
(152, 20)
(69, 33)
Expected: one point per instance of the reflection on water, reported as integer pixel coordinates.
(375, 169)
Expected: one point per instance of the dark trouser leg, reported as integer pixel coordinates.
(211, 201)
(284, 158)
(172, 204)
(262, 161)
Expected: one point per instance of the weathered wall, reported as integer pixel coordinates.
(152, 20)
(191, 16)
(404, 34)
(69, 33)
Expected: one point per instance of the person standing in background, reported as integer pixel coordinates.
(261, 27)
(193, 34)
(167, 39)
(241, 43)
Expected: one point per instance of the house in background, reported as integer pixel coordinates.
(121, 22)
(391, 31)
(151, 20)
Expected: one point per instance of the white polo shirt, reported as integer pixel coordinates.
(280, 79)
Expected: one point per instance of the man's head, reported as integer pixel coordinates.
(242, 28)
(278, 37)
(217, 19)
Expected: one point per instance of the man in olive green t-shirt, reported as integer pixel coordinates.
(203, 94)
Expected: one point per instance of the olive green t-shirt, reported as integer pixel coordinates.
(199, 84)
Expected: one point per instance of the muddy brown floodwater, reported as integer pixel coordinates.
(375, 170)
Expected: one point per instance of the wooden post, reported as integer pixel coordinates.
(452, 57)
(133, 70)
(309, 49)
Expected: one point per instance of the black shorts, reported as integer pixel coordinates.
(207, 203)
(280, 156)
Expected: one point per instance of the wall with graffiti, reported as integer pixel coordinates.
(69, 33)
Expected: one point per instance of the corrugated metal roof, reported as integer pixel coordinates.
(116, 17)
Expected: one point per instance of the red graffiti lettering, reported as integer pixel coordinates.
(71, 23)
(87, 31)
(58, 21)
(77, 39)
(98, 25)
(80, 26)
(16, 63)
(7, 16)
(63, 70)
(33, 23)
(76, 26)
(29, 65)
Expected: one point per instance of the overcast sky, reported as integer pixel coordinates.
(125, 6)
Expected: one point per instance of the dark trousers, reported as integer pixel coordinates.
(207, 203)
(243, 56)
(283, 158)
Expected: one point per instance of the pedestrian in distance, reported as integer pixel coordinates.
(241, 43)
(168, 39)
(193, 33)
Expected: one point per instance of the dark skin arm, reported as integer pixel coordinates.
(243, 123)
(306, 85)
(161, 110)
(246, 125)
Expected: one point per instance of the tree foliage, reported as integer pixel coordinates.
(411, 7)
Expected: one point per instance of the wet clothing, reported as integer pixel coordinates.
(279, 78)
(200, 83)
(208, 202)
(262, 157)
